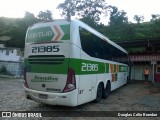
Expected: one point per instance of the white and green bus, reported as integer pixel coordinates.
(69, 63)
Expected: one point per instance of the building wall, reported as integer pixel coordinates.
(9, 55)
(11, 60)
(138, 72)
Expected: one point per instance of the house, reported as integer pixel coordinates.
(148, 57)
(11, 59)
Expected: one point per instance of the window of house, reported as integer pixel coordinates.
(18, 53)
(7, 52)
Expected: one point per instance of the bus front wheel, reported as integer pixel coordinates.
(99, 93)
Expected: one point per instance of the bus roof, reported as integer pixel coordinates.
(82, 24)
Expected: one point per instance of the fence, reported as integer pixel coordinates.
(14, 69)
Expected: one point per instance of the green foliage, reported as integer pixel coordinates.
(135, 50)
(138, 18)
(117, 17)
(16, 28)
(89, 21)
(83, 8)
(68, 8)
(120, 32)
(129, 32)
(3, 71)
(155, 17)
(17, 35)
(45, 15)
(119, 29)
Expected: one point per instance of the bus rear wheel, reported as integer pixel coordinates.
(99, 93)
(106, 91)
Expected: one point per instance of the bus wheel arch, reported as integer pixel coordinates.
(100, 88)
(106, 90)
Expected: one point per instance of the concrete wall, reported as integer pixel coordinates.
(9, 55)
(138, 72)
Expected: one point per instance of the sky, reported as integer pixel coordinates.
(17, 8)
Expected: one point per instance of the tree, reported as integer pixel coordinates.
(3, 28)
(45, 15)
(93, 9)
(17, 37)
(29, 19)
(83, 8)
(155, 21)
(68, 8)
(29, 15)
(91, 22)
(17, 30)
(138, 18)
(117, 17)
(155, 17)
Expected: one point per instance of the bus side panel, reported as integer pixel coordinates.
(74, 63)
(85, 83)
(92, 73)
(97, 78)
(85, 89)
(94, 88)
(120, 76)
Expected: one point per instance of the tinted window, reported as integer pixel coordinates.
(99, 48)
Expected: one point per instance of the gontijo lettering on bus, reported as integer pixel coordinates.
(44, 79)
(48, 34)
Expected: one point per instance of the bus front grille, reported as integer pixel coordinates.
(46, 59)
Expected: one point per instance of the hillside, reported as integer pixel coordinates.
(9, 21)
(130, 32)
(16, 29)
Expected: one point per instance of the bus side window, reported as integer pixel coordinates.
(96, 47)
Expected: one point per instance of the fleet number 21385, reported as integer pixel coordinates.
(41, 49)
(89, 67)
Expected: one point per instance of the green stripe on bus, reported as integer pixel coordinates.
(66, 30)
(115, 68)
(47, 68)
(107, 67)
(80, 67)
(123, 68)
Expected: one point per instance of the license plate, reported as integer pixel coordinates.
(43, 96)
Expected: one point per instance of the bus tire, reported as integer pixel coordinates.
(106, 91)
(99, 93)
